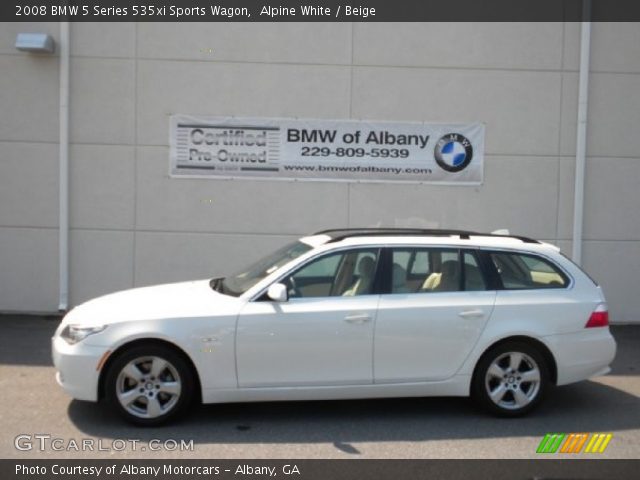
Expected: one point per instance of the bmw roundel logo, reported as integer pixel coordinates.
(453, 152)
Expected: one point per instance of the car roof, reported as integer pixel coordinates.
(399, 236)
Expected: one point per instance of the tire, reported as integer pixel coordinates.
(149, 385)
(511, 379)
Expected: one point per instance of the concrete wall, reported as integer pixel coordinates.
(132, 225)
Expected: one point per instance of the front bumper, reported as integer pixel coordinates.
(582, 355)
(77, 368)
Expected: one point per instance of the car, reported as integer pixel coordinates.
(346, 314)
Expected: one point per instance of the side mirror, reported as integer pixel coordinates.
(278, 292)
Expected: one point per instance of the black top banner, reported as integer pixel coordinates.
(321, 10)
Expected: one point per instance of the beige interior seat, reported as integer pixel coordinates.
(362, 286)
(432, 281)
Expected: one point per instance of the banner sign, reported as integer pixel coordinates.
(321, 11)
(298, 469)
(337, 150)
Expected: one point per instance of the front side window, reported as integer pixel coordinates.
(523, 271)
(347, 273)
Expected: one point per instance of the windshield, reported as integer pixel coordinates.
(236, 285)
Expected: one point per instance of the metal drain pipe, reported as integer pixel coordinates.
(581, 137)
(63, 169)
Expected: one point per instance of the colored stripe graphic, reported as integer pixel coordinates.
(598, 443)
(581, 442)
(543, 443)
(573, 443)
(550, 443)
(569, 443)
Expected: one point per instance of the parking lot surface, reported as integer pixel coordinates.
(51, 425)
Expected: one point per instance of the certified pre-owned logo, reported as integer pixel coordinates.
(453, 152)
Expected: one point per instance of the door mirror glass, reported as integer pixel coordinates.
(278, 292)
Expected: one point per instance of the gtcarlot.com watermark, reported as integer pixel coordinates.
(43, 442)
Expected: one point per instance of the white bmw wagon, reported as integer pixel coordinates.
(343, 314)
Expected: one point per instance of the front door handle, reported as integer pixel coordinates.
(471, 313)
(358, 318)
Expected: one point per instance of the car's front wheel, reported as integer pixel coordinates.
(149, 384)
(511, 379)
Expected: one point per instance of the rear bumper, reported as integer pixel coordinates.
(77, 368)
(582, 355)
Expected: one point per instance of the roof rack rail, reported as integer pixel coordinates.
(338, 234)
(517, 237)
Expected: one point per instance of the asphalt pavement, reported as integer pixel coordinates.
(38, 416)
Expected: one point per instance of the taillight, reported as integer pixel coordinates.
(599, 317)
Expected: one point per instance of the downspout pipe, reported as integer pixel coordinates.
(63, 169)
(581, 137)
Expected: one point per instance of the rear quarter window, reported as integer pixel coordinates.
(520, 271)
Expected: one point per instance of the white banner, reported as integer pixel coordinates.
(338, 150)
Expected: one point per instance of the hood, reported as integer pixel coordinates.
(175, 300)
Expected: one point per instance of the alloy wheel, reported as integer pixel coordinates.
(148, 387)
(513, 380)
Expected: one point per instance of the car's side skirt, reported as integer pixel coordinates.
(457, 386)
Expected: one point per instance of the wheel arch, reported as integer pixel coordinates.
(147, 341)
(534, 342)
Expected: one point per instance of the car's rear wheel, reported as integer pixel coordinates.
(511, 379)
(149, 384)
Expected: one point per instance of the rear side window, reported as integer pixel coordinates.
(424, 270)
(520, 271)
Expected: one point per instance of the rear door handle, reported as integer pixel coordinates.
(358, 318)
(471, 313)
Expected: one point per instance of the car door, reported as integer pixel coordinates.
(432, 316)
(322, 335)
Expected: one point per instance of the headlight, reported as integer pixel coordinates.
(76, 333)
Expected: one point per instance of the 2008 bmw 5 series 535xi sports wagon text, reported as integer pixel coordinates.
(351, 313)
